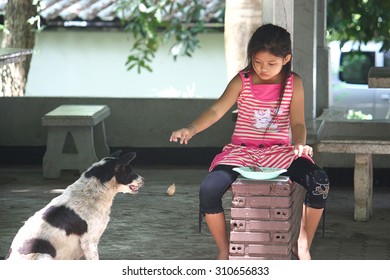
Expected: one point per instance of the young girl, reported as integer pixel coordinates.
(270, 102)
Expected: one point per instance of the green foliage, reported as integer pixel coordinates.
(355, 66)
(153, 22)
(359, 20)
(358, 115)
(34, 21)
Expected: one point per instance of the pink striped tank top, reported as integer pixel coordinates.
(262, 132)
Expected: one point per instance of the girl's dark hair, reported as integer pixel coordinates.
(275, 40)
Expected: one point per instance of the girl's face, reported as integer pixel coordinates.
(268, 66)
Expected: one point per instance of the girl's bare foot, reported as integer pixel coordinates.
(223, 256)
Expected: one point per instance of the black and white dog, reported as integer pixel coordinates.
(71, 225)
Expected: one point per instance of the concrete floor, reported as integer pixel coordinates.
(154, 226)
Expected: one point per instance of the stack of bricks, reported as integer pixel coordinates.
(265, 218)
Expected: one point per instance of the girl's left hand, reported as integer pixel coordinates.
(303, 150)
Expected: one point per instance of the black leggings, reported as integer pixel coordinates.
(302, 171)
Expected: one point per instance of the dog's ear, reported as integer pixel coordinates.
(116, 154)
(127, 158)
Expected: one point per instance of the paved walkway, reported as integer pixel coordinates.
(154, 226)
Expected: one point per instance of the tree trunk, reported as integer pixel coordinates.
(241, 19)
(18, 34)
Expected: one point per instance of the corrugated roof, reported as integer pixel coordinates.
(83, 12)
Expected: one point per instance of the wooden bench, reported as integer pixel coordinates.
(363, 172)
(85, 125)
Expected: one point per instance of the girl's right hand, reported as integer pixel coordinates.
(184, 134)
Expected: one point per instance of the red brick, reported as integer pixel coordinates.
(268, 201)
(268, 257)
(250, 237)
(280, 187)
(249, 213)
(261, 250)
(265, 219)
(255, 250)
(260, 225)
(280, 213)
(263, 237)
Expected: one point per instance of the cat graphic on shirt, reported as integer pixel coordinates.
(262, 119)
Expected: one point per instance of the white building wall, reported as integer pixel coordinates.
(92, 63)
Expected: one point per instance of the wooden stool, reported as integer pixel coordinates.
(265, 218)
(85, 124)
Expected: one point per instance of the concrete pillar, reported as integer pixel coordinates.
(305, 51)
(323, 61)
(279, 12)
(306, 22)
(363, 181)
